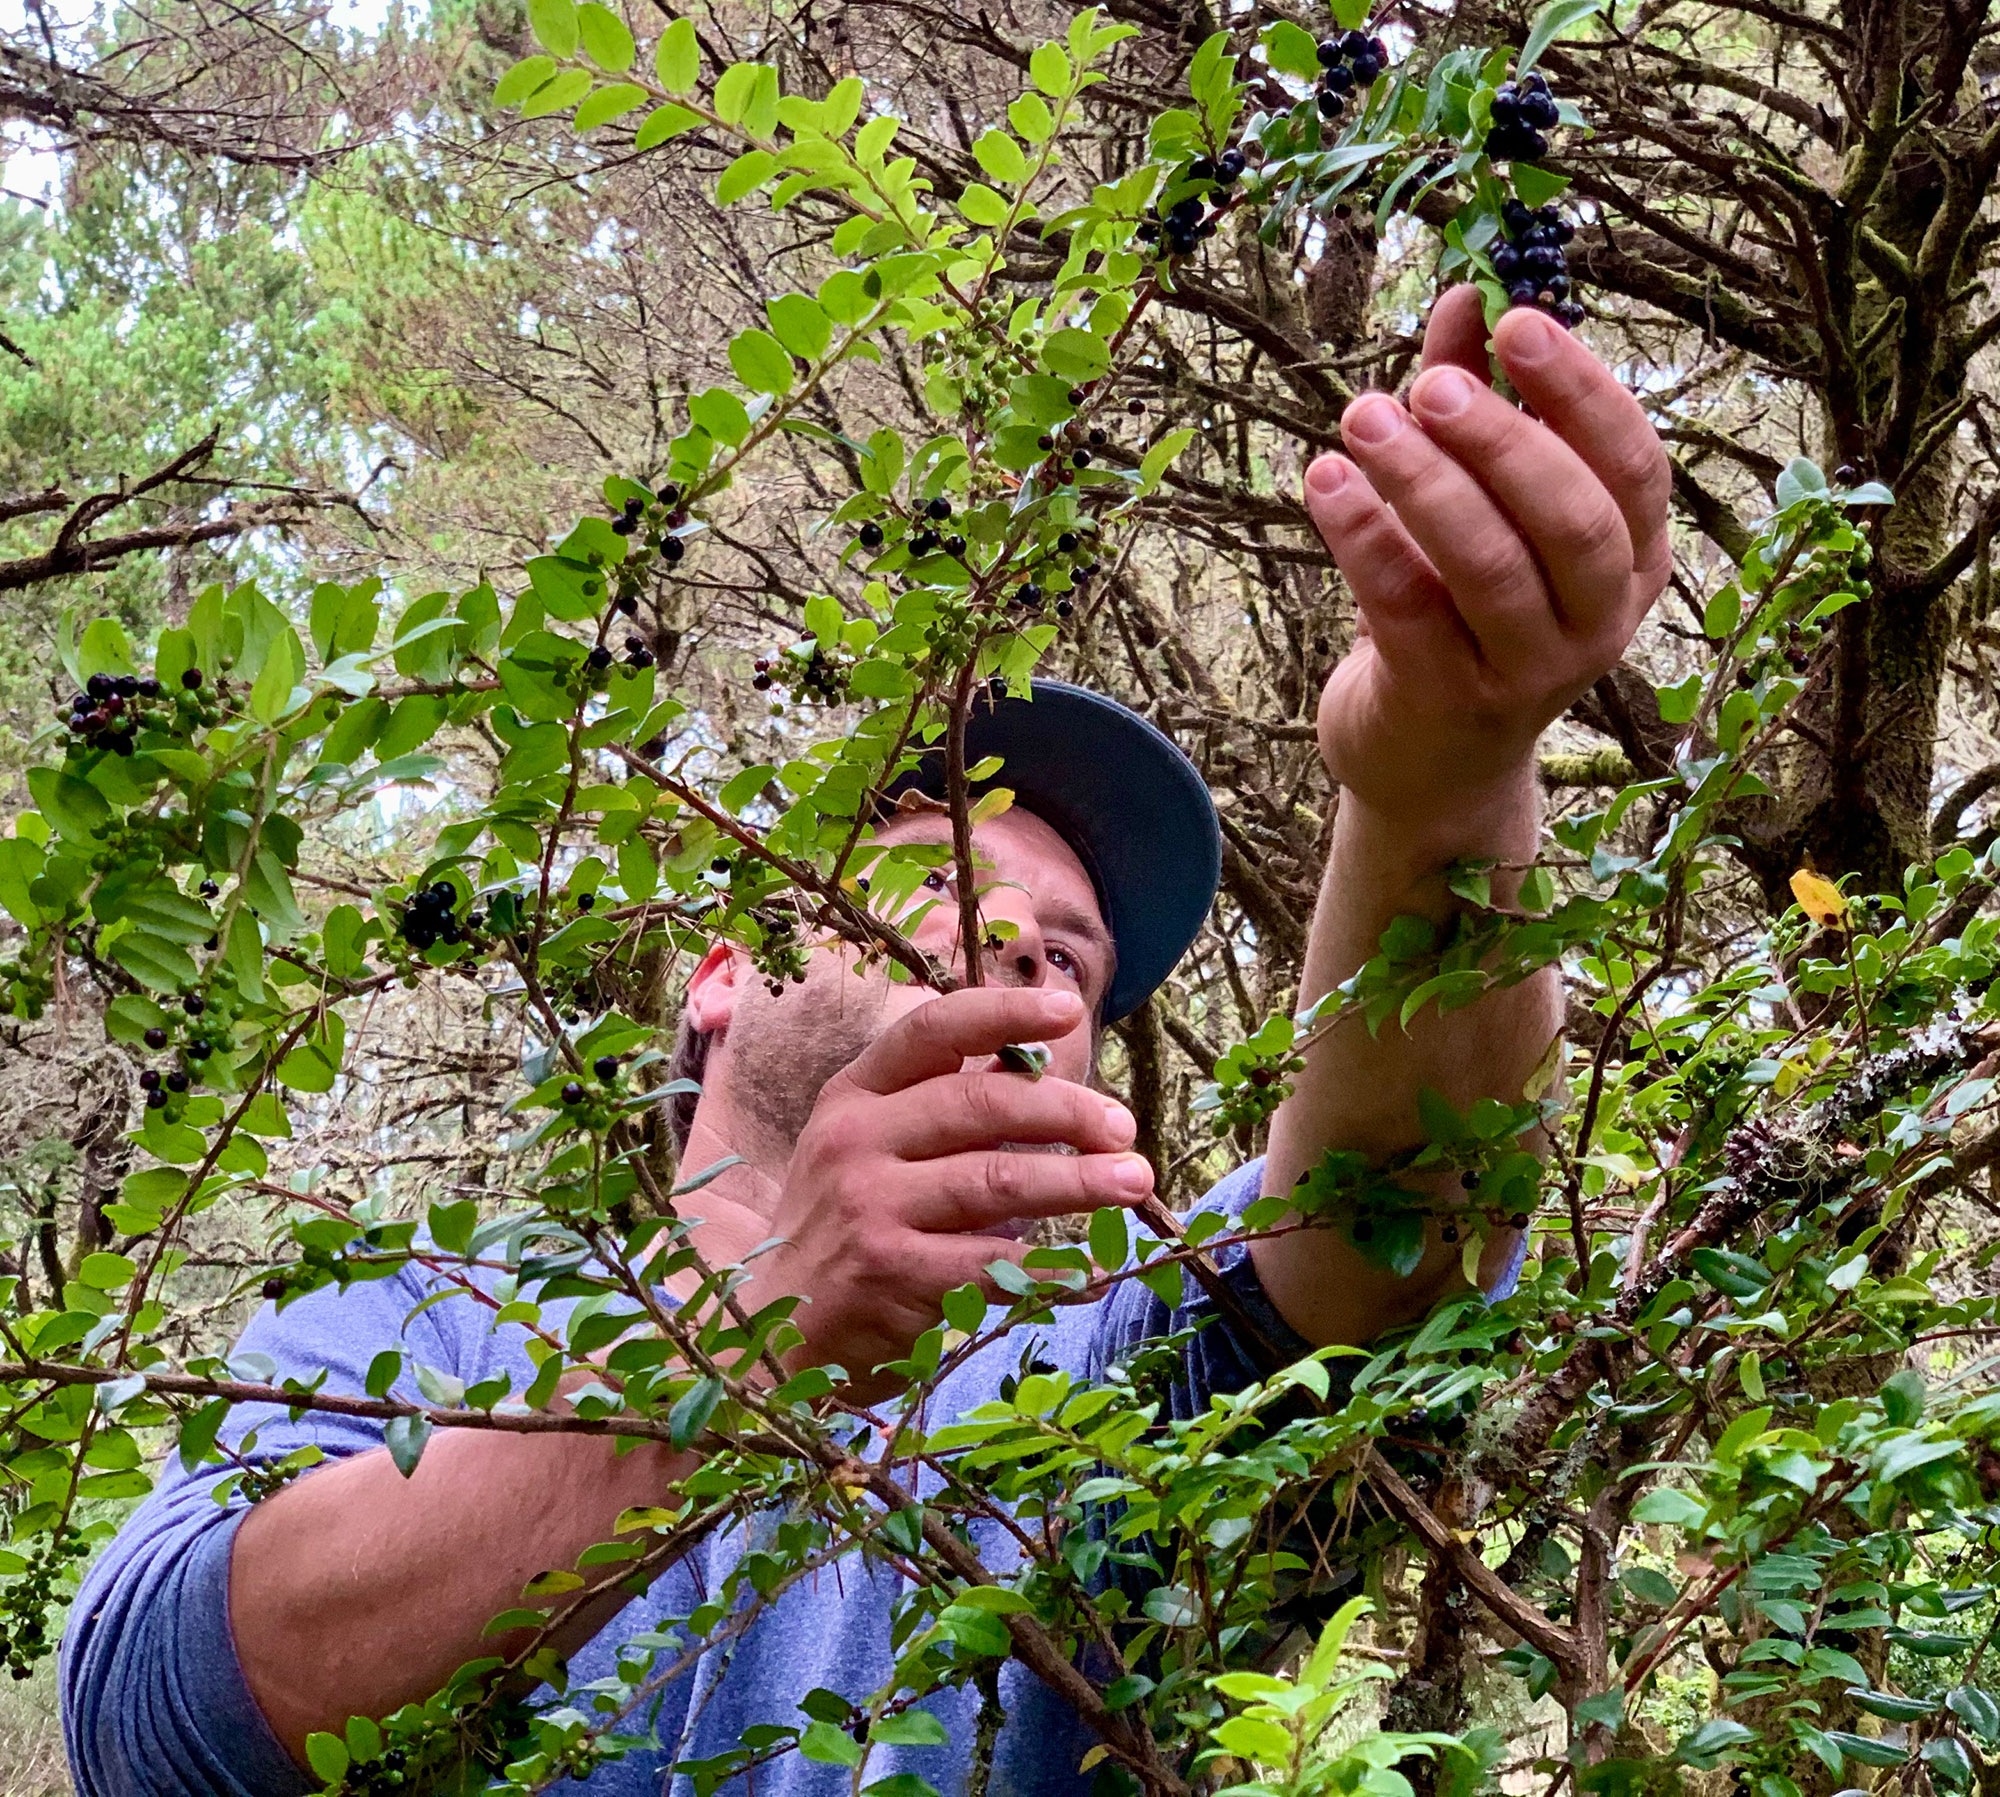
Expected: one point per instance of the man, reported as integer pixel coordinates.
(1500, 565)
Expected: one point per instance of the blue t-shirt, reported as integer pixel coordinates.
(154, 1700)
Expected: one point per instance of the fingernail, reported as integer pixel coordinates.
(1119, 1120)
(1326, 476)
(1061, 1006)
(1133, 1175)
(1372, 419)
(1442, 392)
(1534, 339)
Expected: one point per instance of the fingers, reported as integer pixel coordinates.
(1578, 398)
(1405, 608)
(1456, 333)
(962, 1193)
(1576, 531)
(938, 1037)
(1455, 524)
(958, 1111)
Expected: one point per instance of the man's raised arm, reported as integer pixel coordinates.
(1501, 563)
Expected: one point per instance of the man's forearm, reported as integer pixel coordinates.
(1360, 1092)
(355, 1590)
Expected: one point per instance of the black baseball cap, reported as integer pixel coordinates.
(1123, 796)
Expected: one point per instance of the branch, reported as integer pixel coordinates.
(1463, 1556)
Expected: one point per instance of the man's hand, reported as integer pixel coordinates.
(907, 1159)
(1501, 562)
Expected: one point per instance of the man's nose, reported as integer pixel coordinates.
(1014, 953)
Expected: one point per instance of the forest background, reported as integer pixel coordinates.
(286, 296)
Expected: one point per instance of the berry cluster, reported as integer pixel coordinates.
(105, 714)
(206, 1020)
(637, 656)
(1523, 114)
(1075, 445)
(24, 1637)
(1354, 59)
(607, 1069)
(430, 916)
(1058, 563)
(1184, 223)
(808, 672)
(781, 956)
(1530, 262)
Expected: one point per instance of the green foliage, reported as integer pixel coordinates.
(1701, 1382)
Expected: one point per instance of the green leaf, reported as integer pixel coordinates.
(1000, 156)
(1109, 1238)
(692, 1410)
(442, 1389)
(1800, 478)
(605, 37)
(1707, 1744)
(154, 961)
(745, 788)
(1074, 355)
(743, 176)
(830, 1746)
(677, 58)
(1536, 186)
(609, 103)
(1557, 17)
(75, 807)
(510, 90)
(664, 122)
(801, 325)
(554, 23)
(1030, 116)
(983, 206)
(406, 1438)
(327, 1756)
(1291, 50)
(1157, 459)
(1049, 69)
(910, 1728)
(759, 359)
(559, 94)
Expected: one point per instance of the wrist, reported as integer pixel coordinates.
(1496, 819)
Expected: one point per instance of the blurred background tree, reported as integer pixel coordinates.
(302, 299)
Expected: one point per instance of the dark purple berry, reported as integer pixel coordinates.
(939, 508)
(870, 535)
(191, 678)
(156, 1037)
(605, 1067)
(208, 889)
(572, 1093)
(672, 549)
(274, 1289)
(1329, 52)
(176, 1081)
(150, 1079)
(194, 1004)
(585, 900)
(156, 1100)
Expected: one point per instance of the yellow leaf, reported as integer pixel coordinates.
(1093, 1756)
(1548, 1069)
(1819, 899)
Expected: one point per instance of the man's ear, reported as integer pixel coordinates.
(715, 987)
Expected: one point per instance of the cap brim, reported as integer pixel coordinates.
(1125, 797)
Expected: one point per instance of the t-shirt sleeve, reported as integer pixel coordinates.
(153, 1696)
(1218, 1356)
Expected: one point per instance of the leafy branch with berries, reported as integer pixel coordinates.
(1713, 1469)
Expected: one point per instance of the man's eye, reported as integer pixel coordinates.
(1065, 962)
(934, 880)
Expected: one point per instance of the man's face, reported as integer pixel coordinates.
(776, 1053)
